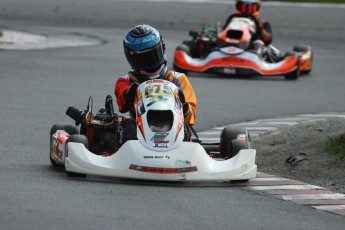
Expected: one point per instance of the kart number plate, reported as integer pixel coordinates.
(229, 70)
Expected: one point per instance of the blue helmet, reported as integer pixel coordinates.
(144, 48)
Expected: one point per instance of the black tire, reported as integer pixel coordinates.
(294, 74)
(78, 139)
(228, 134)
(184, 47)
(301, 48)
(74, 174)
(178, 69)
(129, 131)
(190, 47)
(304, 48)
(70, 129)
(238, 145)
(235, 148)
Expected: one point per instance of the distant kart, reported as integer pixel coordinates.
(158, 150)
(236, 51)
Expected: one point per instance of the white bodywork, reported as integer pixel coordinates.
(187, 162)
(160, 153)
(159, 96)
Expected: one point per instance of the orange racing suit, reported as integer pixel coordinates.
(179, 79)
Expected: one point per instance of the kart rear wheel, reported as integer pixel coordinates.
(129, 131)
(70, 129)
(191, 48)
(77, 138)
(305, 48)
(227, 136)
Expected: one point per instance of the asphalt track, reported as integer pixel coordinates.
(37, 86)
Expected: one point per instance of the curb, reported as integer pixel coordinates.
(294, 191)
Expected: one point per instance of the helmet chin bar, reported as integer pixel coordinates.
(158, 74)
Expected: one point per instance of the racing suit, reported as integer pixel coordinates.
(179, 79)
(266, 32)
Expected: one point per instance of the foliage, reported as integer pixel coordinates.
(336, 145)
(274, 143)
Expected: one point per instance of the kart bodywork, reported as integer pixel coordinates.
(189, 162)
(158, 152)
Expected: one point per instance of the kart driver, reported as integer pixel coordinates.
(144, 48)
(252, 8)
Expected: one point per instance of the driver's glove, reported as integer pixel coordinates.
(130, 93)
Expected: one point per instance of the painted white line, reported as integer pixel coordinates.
(283, 119)
(269, 179)
(261, 128)
(330, 207)
(312, 196)
(282, 123)
(246, 123)
(323, 115)
(294, 187)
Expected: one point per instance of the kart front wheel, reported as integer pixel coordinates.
(238, 145)
(178, 69)
(70, 129)
(77, 139)
(228, 135)
(293, 75)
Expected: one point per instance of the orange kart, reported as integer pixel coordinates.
(236, 51)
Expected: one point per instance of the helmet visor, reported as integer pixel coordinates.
(148, 60)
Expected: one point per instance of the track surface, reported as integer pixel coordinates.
(37, 86)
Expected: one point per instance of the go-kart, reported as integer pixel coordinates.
(158, 148)
(237, 51)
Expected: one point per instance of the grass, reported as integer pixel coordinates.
(336, 145)
(274, 143)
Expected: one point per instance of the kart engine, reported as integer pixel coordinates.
(100, 129)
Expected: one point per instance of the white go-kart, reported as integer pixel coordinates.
(160, 146)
